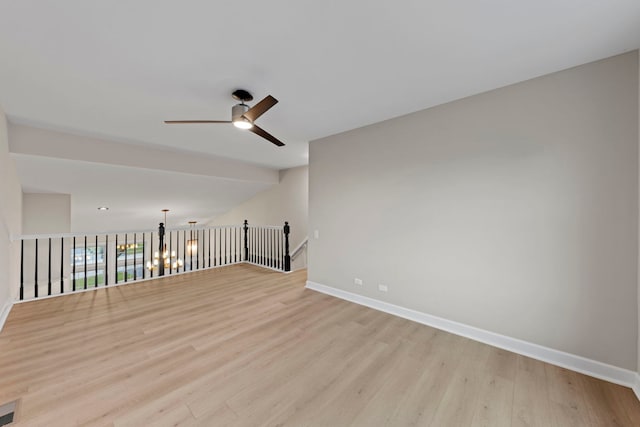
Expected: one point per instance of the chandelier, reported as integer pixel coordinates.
(123, 248)
(192, 243)
(163, 257)
(169, 260)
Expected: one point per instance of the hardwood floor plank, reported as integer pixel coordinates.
(531, 406)
(380, 407)
(494, 403)
(565, 396)
(603, 403)
(418, 405)
(463, 391)
(245, 346)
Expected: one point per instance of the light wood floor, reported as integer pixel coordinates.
(245, 346)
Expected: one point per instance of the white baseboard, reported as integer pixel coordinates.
(263, 266)
(636, 386)
(573, 362)
(4, 313)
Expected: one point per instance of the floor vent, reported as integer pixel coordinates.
(6, 413)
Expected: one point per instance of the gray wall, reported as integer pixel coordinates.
(44, 213)
(515, 211)
(10, 219)
(286, 201)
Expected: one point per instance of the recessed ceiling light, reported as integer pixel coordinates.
(103, 208)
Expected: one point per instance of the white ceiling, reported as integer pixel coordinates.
(116, 70)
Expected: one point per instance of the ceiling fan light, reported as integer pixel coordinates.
(242, 123)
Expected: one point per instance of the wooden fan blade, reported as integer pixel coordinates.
(266, 135)
(260, 108)
(171, 122)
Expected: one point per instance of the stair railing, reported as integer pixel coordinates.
(56, 264)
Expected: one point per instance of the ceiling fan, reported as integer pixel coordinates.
(243, 116)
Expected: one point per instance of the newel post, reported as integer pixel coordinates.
(246, 244)
(287, 257)
(160, 249)
(22, 269)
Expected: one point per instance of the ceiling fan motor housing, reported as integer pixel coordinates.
(237, 111)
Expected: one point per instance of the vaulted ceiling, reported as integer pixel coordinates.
(116, 70)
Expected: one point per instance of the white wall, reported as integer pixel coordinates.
(286, 201)
(514, 211)
(46, 213)
(10, 220)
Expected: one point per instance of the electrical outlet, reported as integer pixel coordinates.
(383, 288)
(357, 281)
(316, 234)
